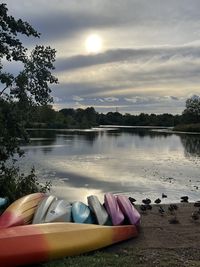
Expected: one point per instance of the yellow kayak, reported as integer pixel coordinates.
(30, 244)
(21, 211)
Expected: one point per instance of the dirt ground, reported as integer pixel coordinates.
(161, 243)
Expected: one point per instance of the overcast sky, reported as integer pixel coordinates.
(149, 60)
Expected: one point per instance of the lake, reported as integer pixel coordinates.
(138, 162)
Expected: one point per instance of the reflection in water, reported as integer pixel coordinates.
(137, 161)
(191, 145)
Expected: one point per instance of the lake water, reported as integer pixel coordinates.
(132, 161)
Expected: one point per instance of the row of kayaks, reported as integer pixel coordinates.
(40, 208)
(38, 227)
(116, 210)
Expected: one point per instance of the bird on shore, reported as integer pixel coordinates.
(143, 208)
(157, 201)
(197, 204)
(164, 196)
(148, 207)
(172, 208)
(132, 200)
(173, 220)
(161, 210)
(146, 201)
(184, 199)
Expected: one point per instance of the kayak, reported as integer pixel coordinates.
(99, 211)
(21, 211)
(3, 202)
(59, 211)
(42, 209)
(81, 213)
(113, 209)
(36, 243)
(128, 210)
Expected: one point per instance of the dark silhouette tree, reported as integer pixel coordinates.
(18, 93)
(192, 112)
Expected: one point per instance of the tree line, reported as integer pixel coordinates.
(46, 117)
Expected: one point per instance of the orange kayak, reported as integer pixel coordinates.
(31, 244)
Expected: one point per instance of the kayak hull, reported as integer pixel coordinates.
(81, 213)
(98, 209)
(129, 210)
(39, 216)
(21, 211)
(59, 211)
(113, 209)
(43, 242)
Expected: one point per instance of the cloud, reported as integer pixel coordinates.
(156, 54)
(77, 98)
(151, 53)
(111, 99)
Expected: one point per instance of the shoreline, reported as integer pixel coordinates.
(157, 232)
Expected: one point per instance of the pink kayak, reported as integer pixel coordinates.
(128, 210)
(113, 209)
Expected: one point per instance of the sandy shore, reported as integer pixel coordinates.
(157, 232)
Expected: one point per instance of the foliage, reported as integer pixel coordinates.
(14, 184)
(193, 127)
(19, 95)
(192, 112)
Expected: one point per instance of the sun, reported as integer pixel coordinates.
(93, 43)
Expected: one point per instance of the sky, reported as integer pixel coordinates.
(149, 59)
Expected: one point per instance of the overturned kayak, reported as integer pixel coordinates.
(113, 209)
(3, 202)
(31, 244)
(39, 216)
(21, 211)
(59, 211)
(99, 211)
(128, 210)
(81, 213)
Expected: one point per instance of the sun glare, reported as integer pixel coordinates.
(93, 43)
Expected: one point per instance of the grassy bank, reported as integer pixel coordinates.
(194, 127)
(134, 257)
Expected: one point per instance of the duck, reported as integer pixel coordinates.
(146, 201)
(161, 210)
(157, 201)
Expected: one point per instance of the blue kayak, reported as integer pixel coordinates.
(81, 213)
(3, 201)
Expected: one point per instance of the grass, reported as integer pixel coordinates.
(150, 257)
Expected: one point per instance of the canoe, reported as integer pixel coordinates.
(113, 209)
(21, 211)
(99, 211)
(3, 202)
(81, 213)
(42, 209)
(36, 243)
(59, 211)
(128, 210)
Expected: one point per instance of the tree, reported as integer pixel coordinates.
(29, 88)
(192, 112)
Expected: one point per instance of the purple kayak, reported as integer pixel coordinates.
(128, 210)
(113, 209)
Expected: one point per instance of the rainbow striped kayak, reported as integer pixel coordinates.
(31, 244)
(21, 211)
